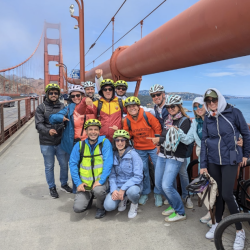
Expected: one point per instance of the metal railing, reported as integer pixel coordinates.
(12, 119)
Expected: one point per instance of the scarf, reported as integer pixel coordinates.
(170, 119)
(199, 127)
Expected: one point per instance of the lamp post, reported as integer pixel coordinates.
(80, 20)
(66, 78)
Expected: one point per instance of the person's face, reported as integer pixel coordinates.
(199, 109)
(133, 109)
(173, 109)
(158, 97)
(76, 97)
(53, 95)
(107, 92)
(212, 103)
(90, 91)
(93, 132)
(121, 90)
(120, 143)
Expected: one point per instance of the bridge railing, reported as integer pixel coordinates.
(13, 118)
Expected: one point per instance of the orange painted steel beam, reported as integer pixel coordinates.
(208, 31)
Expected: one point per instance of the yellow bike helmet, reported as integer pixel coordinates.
(121, 133)
(92, 122)
(52, 86)
(121, 83)
(107, 82)
(132, 100)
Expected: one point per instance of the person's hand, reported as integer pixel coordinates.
(96, 184)
(89, 102)
(98, 73)
(240, 142)
(65, 119)
(169, 126)
(115, 195)
(244, 162)
(52, 132)
(158, 149)
(155, 140)
(81, 188)
(203, 171)
(121, 194)
(114, 127)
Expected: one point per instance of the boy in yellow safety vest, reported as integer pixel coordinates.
(90, 164)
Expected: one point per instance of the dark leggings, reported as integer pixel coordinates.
(225, 176)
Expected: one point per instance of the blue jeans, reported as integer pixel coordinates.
(49, 153)
(74, 186)
(133, 194)
(146, 178)
(165, 178)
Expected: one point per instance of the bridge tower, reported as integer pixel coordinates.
(56, 58)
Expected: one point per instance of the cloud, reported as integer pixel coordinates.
(219, 74)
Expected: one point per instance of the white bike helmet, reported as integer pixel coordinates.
(172, 140)
(173, 99)
(156, 88)
(88, 84)
(77, 88)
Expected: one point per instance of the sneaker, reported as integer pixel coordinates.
(132, 211)
(210, 233)
(123, 204)
(188, 203)
(175, 217)
(143, 199)
(53, 193)
(158, 200)
(239, 242)
(100, 213)
(166, 202)
(209, 224)
(66, 189)
(168, 211)
(206, 218)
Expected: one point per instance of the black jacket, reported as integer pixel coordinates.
(181, 150)
(43, 126)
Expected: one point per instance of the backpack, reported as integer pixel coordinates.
(145, 117)
(99, 107)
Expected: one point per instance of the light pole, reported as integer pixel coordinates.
(80, 20)
(66, 78)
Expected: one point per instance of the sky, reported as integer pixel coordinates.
(22, 24)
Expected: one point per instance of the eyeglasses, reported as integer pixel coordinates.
(199, 106)
(77, 95)
(214, 100)
(121, 88)
(107, 89)
(53, 93)
(154, 95)
(171, 106)
(120, 140)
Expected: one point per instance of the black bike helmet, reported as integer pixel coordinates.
(199, 184)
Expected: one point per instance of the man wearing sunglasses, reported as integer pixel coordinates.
(50, 139)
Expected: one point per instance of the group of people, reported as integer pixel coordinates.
(107, 144)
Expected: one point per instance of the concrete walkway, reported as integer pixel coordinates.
(30, 219)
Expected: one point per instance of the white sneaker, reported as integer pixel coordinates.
(205, 219)
(210, 233)
(210, 223)
(132, 211)
(166, 202)
(188, 203)
(239, 240)
(175, 217)
(123, 204)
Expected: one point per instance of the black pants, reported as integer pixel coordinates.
(225, 176)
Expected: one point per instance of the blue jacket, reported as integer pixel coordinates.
(107, 153)
(67, 141)
(163, 116)
(127, 172)
(218, 137)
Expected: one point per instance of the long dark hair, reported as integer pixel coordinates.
(115, 148)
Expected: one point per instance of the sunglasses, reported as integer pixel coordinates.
(107, 89)
(53, 93)
(77, 95)
(171, 106)
(199, 106)
(120, 140)
(121, 88)
(154, 95)
(214, 100)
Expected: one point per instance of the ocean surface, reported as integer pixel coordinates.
(242, 104)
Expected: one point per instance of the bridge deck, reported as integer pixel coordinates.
(30, 219)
